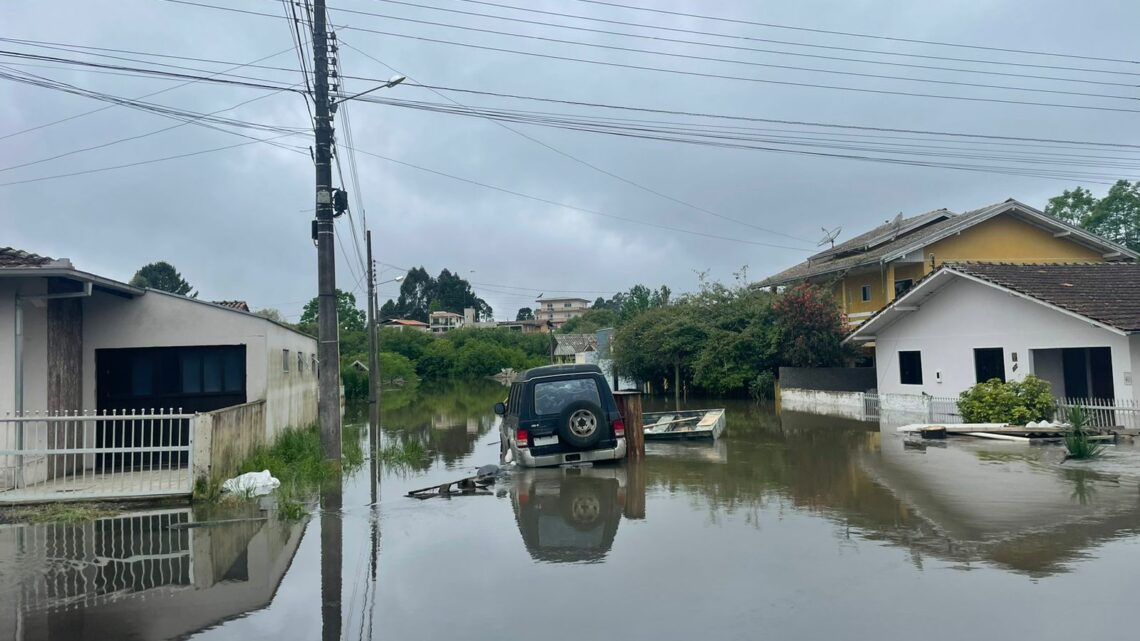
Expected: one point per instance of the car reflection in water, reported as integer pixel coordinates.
(569, 515)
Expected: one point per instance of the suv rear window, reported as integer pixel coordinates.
(550, 398)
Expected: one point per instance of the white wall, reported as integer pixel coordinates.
(965, 315)
(35, 344)
(1134, 371)
(156, 319)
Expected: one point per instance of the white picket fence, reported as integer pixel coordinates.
(1103, 413)
(95, 455)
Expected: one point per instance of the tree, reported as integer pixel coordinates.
(271, 313)
(1115, 217)
(811, 327)
(524, 313)
(349, 318)
(660, 344)
(420, 294)
(589, 322)
(164, 277)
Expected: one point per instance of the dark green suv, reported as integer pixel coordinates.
(560, 414)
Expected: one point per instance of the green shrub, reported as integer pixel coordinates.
(763, 387)
(1077, 437)
(1013, 402)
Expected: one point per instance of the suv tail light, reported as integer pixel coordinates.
(619, 428)
(521, 437)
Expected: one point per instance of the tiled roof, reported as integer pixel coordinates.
(915, 232)
(239, 305)
(12, 257)
(570, 344)
(1105, 292)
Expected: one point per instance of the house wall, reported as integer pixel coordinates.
(224, 438)
(34, 344)
(1134, 371)
(1008, 239)
(156, 319)
(948, 326)
(291, 397)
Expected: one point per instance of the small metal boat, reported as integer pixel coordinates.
(684, 425)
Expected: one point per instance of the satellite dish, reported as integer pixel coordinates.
(829, 236)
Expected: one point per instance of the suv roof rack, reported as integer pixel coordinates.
(555, 370)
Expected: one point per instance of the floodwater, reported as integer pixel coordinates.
(789, 527)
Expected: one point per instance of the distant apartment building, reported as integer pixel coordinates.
(560, 310)
(443, 322)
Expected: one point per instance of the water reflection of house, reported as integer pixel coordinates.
(99, 580)
(1009, 505)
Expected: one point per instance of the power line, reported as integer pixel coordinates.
(855, 34)
(148, 95)
(766, 65)
(142, 162)
(194, 120)
(579, 103)
(733, 36)
(697, 74)
(601, 170)
(660, 38)
(719, 136)
(572, 207)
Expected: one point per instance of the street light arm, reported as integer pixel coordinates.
(392, 82)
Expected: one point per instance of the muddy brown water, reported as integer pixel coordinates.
(791, 526)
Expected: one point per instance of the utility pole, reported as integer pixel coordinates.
(328, 349)
(373, 355)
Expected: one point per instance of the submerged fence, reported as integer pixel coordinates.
(1102, 413)
(93, 455)
(103, 560)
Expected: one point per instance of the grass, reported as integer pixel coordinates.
(409, 454)
(1077, 441)
(297, 461)
(59, 513)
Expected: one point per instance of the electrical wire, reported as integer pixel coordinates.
(697, 74)
(684, 56)
(855, 34)
(660, 38)
(147, 95)
(599, 169)
(735, 36)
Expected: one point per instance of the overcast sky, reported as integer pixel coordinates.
(236, 221)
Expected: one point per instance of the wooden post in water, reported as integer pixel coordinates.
(629, 406)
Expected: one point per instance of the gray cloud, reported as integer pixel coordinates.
(236, 222)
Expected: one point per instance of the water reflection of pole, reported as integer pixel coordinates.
(331, 563)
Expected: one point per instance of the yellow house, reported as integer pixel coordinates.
(868, 271)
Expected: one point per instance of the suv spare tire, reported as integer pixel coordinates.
(580, 424)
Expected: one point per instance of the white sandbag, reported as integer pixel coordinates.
(252, 484)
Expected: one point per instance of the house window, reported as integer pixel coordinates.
(866, 293)
(314, 362)
(300, 363)
(285, 361)
(910, 368)
(566, 305)
(989, 363)
(901, 286)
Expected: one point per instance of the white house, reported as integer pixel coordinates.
(1074, 325)
(74, 341)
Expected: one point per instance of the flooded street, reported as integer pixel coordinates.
(789, 527)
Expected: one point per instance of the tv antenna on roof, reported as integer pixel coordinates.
(897, 224)
(829, 236)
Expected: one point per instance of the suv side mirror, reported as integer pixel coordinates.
(500, 409)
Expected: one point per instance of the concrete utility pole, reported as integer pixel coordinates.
(329, 347)
(373, 355)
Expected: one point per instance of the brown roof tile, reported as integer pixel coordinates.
(239, 305)
(12, 257)
(1105, 292)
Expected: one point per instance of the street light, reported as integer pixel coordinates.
(392, 280)
(392, 82)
